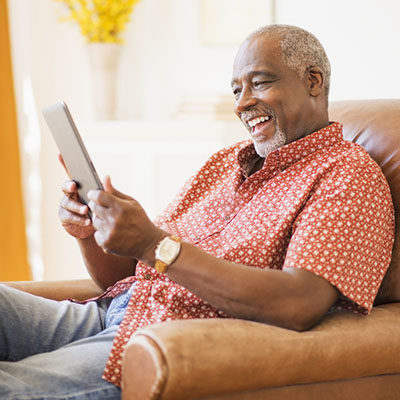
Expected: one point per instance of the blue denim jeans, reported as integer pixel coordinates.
(56, 350)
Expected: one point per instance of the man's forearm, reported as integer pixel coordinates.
(105, 269)
(293, 298)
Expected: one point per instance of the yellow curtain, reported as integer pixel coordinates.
(13, 248)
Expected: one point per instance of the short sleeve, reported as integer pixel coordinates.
(345, 232)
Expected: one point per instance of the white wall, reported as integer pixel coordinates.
(361, 38)
(163, 59)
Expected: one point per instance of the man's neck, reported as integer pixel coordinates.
(255, 165)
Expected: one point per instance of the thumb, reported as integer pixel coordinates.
(62, 162)
(109, 188)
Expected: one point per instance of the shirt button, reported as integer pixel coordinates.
(227, 218)
(147, 276)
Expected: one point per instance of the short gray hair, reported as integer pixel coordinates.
(300, 49)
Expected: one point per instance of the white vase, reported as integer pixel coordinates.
(104, 62)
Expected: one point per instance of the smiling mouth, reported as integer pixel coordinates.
(257, 121)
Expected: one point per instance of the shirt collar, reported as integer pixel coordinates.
(292, 152)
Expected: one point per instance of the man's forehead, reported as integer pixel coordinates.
(260, 45)
(259, 53)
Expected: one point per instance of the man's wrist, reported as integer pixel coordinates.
(167, 252)
(149, 254)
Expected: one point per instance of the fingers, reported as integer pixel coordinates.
(109, 188)
(100, 240)
(73, 214)
(74, 206)
(70, 200)
(104, 204)
(101, 234)
(69, 188)
(69, 217)
(99, 200)
(97, 222)
(107, 197)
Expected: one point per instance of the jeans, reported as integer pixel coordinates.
(56, 350)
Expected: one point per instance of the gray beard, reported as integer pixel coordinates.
(264, 148)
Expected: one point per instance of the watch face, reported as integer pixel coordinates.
(168, 250)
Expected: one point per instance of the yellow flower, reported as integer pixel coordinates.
(100, 20)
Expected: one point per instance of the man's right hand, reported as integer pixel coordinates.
(73, 214)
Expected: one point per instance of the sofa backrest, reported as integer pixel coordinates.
(375, 125)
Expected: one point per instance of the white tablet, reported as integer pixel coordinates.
(69, 142)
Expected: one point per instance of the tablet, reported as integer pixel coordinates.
(69, 142)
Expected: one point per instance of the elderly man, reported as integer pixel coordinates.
(278, 229)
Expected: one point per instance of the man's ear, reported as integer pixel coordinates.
(315, 79)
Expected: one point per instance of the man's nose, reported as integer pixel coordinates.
(245, 101)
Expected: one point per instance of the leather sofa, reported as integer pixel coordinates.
(345, 356)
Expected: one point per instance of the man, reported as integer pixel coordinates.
(278, 229)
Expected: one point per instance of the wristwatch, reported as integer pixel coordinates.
(166, 252)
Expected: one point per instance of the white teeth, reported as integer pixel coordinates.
(257, 120)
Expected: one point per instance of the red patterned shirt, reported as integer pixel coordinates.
(319, 203)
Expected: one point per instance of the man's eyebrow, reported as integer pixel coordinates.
(252, 74)
(265, 74)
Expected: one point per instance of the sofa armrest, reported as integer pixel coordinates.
(199, 358)
(79, 289)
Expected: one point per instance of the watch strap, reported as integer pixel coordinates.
(161, 266)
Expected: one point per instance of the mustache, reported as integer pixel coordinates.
(248, 115)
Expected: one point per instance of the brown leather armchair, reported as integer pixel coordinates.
(345, 356)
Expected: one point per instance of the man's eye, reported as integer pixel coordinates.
(236, 92)
(259, 83)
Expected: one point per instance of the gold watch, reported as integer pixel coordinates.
(166, 252)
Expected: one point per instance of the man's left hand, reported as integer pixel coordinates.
(122, 226)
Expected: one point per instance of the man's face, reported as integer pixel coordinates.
(272, 101)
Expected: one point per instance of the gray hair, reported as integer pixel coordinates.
(300, 49)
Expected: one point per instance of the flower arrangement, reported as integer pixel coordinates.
(100, 20)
